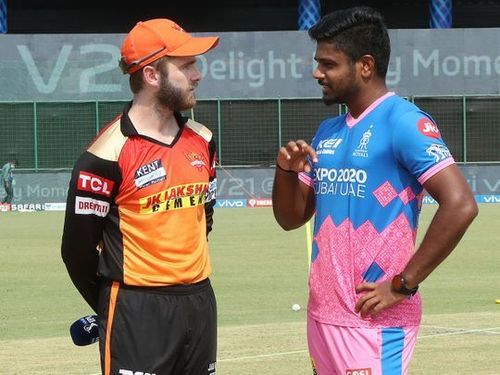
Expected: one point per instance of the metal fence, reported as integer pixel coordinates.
(51, 135)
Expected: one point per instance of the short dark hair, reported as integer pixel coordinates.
(356, 31)
(135, 79)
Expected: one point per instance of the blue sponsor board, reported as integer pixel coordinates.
(231, 203)
(490, 198)
(480, 198)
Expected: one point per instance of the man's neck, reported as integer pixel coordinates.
(365, 99)
(154, 121)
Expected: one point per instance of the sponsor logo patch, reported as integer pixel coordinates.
(359, 371)
(132, 372)
(439, 152)
(89, 206)
(95, 184)
(195, 160)
(212, 190)
(260, 202)
(212, 367)
(176, 197)
(428, 128)
(328, 146)
(149, 174)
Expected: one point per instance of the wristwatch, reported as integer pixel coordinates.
(398, 285)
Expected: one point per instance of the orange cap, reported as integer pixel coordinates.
(150, 40)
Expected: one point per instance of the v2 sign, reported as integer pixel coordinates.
(56, 72)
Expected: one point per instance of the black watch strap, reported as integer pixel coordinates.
(399, 285)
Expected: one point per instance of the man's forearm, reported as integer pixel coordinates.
(290, 205)
(445, 231)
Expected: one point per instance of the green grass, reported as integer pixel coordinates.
(259, 272)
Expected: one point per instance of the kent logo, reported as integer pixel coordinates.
(149, 174)
(148, 168)
(428, 128)
(94, 184)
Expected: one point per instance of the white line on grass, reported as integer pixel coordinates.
(456, 331)
(254, 356)
(261, 356)
(459, 331)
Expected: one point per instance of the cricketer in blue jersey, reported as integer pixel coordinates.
(363, 178)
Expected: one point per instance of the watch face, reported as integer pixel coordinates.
(397, 283)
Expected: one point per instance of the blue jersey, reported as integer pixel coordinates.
(368, 185)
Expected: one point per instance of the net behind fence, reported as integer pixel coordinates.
(248, 132)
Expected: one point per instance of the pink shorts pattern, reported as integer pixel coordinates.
(337, 350)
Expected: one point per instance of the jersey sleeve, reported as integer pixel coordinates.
(419, 147)
(308, 177)
(92, 188)
(212, 187)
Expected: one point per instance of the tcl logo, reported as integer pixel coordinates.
(95, 184)
(428, 128)
(359, 371)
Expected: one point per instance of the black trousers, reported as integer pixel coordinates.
(158, 331)
(9, 189)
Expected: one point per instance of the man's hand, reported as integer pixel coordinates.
(295, 157)
(377, 298)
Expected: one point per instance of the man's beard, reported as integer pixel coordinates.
(173, 97)
(342, 94)
(330, 101)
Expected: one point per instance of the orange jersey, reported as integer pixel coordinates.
(146, 206)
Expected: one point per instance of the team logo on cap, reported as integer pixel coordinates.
(177, 27)
(428, 128)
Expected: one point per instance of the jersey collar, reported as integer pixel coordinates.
(127, 127)
(351, 121)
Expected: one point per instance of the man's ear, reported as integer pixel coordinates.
(151, 75)
(367, 63)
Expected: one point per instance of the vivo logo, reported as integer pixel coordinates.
(231, 203)
(428, 200)
(491, 199)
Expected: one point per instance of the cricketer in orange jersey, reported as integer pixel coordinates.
(139, 211)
